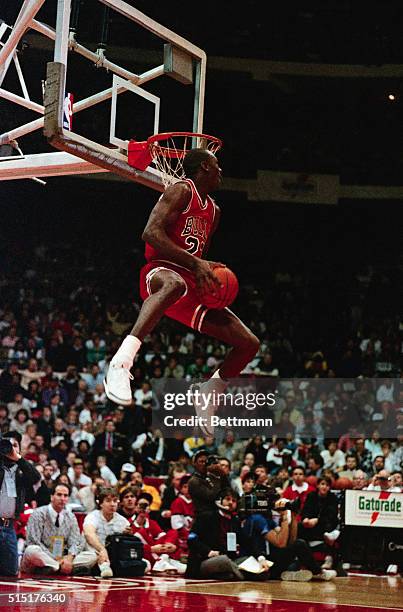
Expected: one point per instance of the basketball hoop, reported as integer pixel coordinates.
(167, 151)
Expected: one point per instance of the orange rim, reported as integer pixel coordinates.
(179, 152)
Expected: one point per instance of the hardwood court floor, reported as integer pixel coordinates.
(168, 594)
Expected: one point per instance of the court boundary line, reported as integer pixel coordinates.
(323, 603)
(149, 586)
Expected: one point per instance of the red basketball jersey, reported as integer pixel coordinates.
(192, 228)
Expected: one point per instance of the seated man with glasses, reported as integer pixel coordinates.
(359, 480)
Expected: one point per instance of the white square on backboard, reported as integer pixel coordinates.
(118, 83)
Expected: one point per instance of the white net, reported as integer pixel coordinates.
(168, 153)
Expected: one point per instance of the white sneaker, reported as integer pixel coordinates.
(164, 565)
(106, 571)
(180, 567)
(326, 574)
(204, 413)
(117, 385)
(328, 562)
(331, 536)
(297, 576)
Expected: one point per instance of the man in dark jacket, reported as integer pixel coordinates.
(320, 523)
(113, 445)
(206, 483)
(10, 383)
(16, 476)
(216, 540)
(319, 518)
(170, 493)
(208, 539)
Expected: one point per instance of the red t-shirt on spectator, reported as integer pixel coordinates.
(182, 512)
(179, 537)
(293, 492)
(151, 534)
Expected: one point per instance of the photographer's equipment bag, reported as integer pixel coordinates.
(126, 555)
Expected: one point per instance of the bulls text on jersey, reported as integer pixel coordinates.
(195, 226)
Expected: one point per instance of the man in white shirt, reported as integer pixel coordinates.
(84, 433)
(100, 523)
(76, 474)
(19, 402)
(86, 495)
(397, 454)
(144, 395)
(274, 457)
(334, 458)
(373, 444)
(93, 378)
(385, 392)
(32, 372)
(382, 482)
(106, 471)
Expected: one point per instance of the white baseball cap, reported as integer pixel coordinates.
(128, 467)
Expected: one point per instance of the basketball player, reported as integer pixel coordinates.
(177, 237)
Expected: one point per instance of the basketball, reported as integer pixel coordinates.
(312, 480)
(342, 483)
(227, 293)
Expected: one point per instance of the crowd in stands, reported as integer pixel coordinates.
(56, 339)
(94, 500)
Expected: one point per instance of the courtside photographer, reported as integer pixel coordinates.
(206, 483)
(292, 558)
(16, 476)
(216, 540)
(206, 488)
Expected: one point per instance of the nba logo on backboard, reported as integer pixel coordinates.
(68, 111)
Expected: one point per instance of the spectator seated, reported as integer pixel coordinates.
(156, 541)
(319, 520)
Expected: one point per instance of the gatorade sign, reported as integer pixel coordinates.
(374, 508)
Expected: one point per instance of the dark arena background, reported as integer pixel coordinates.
(307, 99)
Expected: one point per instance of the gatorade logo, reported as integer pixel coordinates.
(383, 495)
(382, 504)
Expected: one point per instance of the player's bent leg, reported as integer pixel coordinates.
(227, 327)
(166, 288)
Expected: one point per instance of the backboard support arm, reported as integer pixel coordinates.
(113, 159)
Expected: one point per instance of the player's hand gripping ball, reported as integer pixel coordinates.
(226, 294)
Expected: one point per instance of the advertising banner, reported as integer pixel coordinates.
(374, 508)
